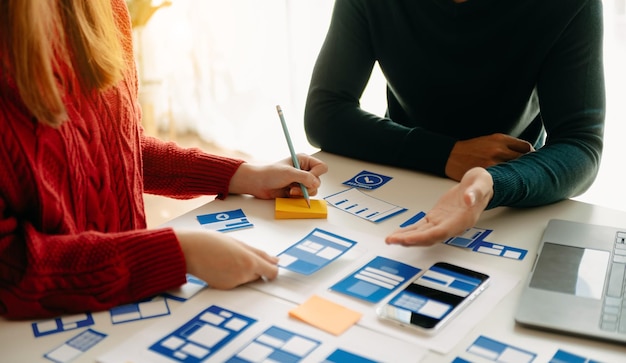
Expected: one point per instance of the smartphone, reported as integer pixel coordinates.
(434, 297)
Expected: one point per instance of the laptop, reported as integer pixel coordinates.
(577, 283)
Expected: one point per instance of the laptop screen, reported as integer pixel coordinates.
(571, 270)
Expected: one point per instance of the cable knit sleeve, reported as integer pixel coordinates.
(43, 275)
(61, 256)
(72, 226)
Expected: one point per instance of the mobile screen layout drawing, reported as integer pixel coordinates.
(434, 297)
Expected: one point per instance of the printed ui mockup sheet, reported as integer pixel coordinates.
(244, 325)
(377, 279)
(363, 206)
(314, 251)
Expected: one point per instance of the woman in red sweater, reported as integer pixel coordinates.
(75, 164)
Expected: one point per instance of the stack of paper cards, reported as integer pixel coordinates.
(296, 208)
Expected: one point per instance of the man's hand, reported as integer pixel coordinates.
(484, 152)
(456, 211)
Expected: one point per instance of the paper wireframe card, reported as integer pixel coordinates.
(314, 251)
(146, 309)
(562, 356)
(377, 279)
(470, 238)
(368, 180)
(416, 218)
(364, 206)
(75, 346)
(203, 335)
(500, 250)
(496, 351)
(186, 291)
(343, 356)
(225, 221)
(61, 324)
(474, 239)
(276, 345)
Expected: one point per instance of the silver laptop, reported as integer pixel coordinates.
(577, 283)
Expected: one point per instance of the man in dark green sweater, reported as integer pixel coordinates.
(512, 91)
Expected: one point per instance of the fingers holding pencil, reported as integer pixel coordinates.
(294, 157)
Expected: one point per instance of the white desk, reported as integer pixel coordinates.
(520, 228)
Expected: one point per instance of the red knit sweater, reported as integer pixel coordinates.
(72, 224)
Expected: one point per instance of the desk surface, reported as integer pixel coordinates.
(521, 228)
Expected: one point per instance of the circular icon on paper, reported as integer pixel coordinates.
(222, 217)
(369, 179)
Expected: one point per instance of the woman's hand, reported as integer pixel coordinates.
(278, 180)
(224, 262)
(455, 212)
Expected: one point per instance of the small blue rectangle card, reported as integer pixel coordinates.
(186, 291)
(500, 250)
(474, 239)
(496, 351)
(562, 356)
(377, 279)
(145, 309)
(314, 251)
(368, 180)
(226, 221)
(469, 238)
(416, 218)
(75, 346)
(61, 324)
(343, 356)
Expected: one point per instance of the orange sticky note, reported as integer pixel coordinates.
(296, 208)
(326, 315)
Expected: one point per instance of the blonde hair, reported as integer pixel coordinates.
(45, 44)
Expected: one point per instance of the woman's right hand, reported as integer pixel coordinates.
(224, 262)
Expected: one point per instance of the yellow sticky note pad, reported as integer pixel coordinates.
(296, 208)
(326, 315)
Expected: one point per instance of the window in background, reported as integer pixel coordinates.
(219, 68)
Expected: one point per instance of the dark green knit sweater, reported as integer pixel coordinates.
(527, 68)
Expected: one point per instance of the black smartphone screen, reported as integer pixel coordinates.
(435, 294)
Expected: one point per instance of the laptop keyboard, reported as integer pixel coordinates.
(614, 308)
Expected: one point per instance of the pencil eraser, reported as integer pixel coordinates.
(296, 208)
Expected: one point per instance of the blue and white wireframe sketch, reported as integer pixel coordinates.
(364, 206)
(376, 280)
(61, 324)
(276, 345)
(225, 221)
(203, 335)
(314, 251)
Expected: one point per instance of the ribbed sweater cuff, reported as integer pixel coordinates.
(209, 172)
(156, 262)
(506, 188)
